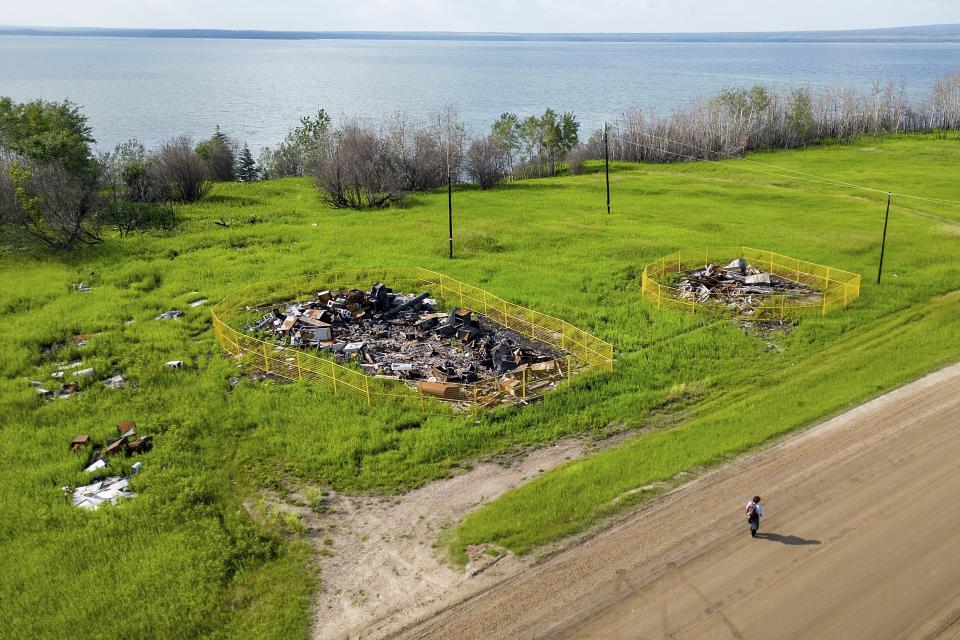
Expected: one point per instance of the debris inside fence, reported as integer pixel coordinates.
(742, 287)
(407, 337)
(197, 303)
(173, 314)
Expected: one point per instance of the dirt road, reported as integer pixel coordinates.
(861, 539)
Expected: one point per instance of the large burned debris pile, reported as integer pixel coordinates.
(741, 286)
(408, 338)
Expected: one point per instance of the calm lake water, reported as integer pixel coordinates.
(152, 89)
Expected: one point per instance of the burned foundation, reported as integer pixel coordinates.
(454, 354)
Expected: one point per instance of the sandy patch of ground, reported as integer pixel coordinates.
(378, 566)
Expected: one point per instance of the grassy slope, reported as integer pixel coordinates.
(191, 562)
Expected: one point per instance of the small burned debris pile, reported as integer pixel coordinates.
(407, 337)
(110, 489)
(127, 443)
(740, 286)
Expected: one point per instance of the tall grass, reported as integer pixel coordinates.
(185, 560)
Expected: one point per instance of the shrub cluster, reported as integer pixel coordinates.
(741, 120)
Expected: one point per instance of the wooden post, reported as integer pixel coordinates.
(883, 243)
(606, 164)
(266, 361)
(366, 387)
(333, 374)
(569, 368)
(523, 384)
(299, 370)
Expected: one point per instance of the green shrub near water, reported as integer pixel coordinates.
(184, 559)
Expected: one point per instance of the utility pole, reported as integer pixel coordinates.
(450, 206)
(449, 189)
(883, 244)
(606, 162)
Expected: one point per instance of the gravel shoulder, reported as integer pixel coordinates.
(858, 542)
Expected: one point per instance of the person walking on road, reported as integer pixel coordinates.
(754, 511)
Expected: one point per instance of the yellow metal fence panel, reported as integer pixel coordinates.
(291, 364)
(838, 288)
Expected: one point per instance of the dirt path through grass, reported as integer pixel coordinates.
(378, 566)
(858, 543)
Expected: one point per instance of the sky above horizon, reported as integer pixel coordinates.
(637, 16)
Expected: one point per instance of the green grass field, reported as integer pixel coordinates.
(184, 559)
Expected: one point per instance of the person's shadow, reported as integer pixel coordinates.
(791, 540)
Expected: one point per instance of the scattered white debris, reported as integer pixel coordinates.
(99, 464)
(169, 315)
(72, 365)
(110, 490)
(57, 374)
(82, 287)
(84, 372)
(174, 364)
(116, 382)
(197, 303)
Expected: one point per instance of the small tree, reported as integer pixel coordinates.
(46, 132)
(356, 171)
(48, 177)
(182, 170)
(47, 205)
(247, 167)
(135, 197)
(488, 161)
(299, 152)
(219, 156)
(800, 117)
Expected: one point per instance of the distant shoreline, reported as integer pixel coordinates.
(946, 33)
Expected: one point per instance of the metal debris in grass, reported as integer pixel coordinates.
(407, 337)
(741, 286)
(98, 456)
